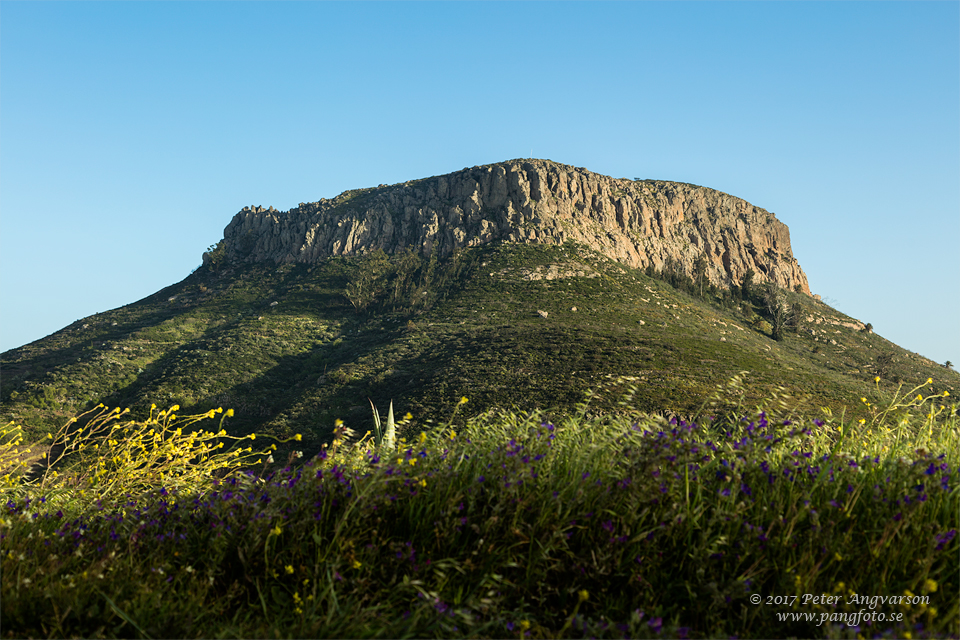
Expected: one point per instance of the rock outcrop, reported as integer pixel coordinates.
(636, 222)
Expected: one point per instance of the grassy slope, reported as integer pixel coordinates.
(216, 339)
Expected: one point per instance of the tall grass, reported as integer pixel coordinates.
(519, 525)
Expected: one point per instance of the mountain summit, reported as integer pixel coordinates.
(639, 223)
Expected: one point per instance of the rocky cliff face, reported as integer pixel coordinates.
(635, 222)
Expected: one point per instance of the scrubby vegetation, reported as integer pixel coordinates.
(593, 523)
(658, 507)
(294, 347)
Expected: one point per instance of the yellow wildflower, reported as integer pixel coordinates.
(288, 568)
(584, 595)
(929, 586)
(357, 564)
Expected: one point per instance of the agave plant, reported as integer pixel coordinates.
(385, 437)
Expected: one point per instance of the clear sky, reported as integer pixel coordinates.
(131, 132)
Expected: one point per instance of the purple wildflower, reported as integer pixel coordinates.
(656, 624)
(944, 539)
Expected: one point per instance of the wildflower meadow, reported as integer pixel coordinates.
(739, 522)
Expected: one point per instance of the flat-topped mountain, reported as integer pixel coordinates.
(639, 223)
(519, 284)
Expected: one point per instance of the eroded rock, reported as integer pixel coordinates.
(637, 223)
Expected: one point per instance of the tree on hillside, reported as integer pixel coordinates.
(795, 318)
(367, 278)
(777, 312)
(406, 267)
(700, 272)
(884, 363)
(746, 285)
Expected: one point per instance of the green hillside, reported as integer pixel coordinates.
(291, 348)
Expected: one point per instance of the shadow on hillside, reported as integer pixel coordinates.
(267, 399)
(150, 314)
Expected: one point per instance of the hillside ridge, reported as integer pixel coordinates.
(639, 223)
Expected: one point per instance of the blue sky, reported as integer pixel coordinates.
(131, 133)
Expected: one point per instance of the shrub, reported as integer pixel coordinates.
(605, 525)
(98, 456)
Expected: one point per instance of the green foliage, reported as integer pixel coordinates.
(589, 524)
(216, 255)
(468, 323)
(747, 285)
(884, 363)
(777, 310)
(763, 326)
(385, 435)
(368, 279)
(98, 456)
